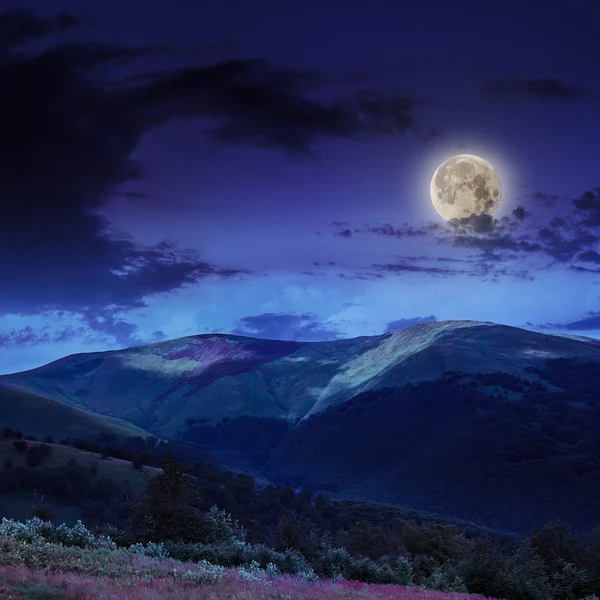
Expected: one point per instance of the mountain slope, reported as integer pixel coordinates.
(211, 377)
(38, 415)
(476, 420)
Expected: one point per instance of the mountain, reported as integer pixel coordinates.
(40, 415)
(486, 422)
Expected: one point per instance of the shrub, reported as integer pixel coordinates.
(220, 527)
(332, 562)
(37, 530)
(151, 550)
(137, 462)
(445, 580)
(570, 582)
(523, 577)
(20, 445)
(238, 554)
(205, 574)
(479, 569)
(37, 454)
(43, 512)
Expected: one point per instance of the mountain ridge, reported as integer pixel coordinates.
(443, 416)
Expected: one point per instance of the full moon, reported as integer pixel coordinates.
(465, 185)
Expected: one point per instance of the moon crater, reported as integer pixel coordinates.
(465, 185)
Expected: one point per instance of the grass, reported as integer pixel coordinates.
(113, 468)
(19, 583)
(40, 415)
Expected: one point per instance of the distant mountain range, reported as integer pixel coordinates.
(480, 421)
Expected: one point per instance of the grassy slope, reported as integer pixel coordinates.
(20, 583)
(39, 415)
(160, 386)
(20, 504)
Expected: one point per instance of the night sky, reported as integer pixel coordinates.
(172, 168)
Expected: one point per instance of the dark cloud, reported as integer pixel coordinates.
(329, 263)
(478, 223)
(591, 322)
(400, 267)
(520, 213)
(404, 323)
(67, 134)
(303, 327)
(549, 89)
(589, 256)
(158, 336)
(18, 27)
(495, 243)
(389, 230)
(344, 233)
(588, 207)
(28, 336)
(255, 102)
(357, 276)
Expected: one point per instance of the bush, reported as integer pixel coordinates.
(43, 512)
(151, 550)
(523, 577)
(37, 454)
(480, 568)
(219, 526)
(205, 574)
(238, 554)
(137, 462)
(37, 530)
(20, 445)
(332, 562)
(445, 580)
(570, 582)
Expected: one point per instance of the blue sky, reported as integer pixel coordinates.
(264, 170)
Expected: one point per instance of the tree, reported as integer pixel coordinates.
(20, 445)
(37, 454)
(137, 462)
(17, 434)
(43, 512)
(49, 439)
(166, 510)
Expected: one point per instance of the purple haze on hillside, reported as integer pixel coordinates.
(217, 357)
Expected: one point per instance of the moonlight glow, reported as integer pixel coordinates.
(465, 185)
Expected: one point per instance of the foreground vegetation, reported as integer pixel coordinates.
(213, 528)
(20, 583)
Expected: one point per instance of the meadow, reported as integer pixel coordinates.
(171, 530)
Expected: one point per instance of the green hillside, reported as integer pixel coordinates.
(40, 415)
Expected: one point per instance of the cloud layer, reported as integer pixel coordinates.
(69, 129)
